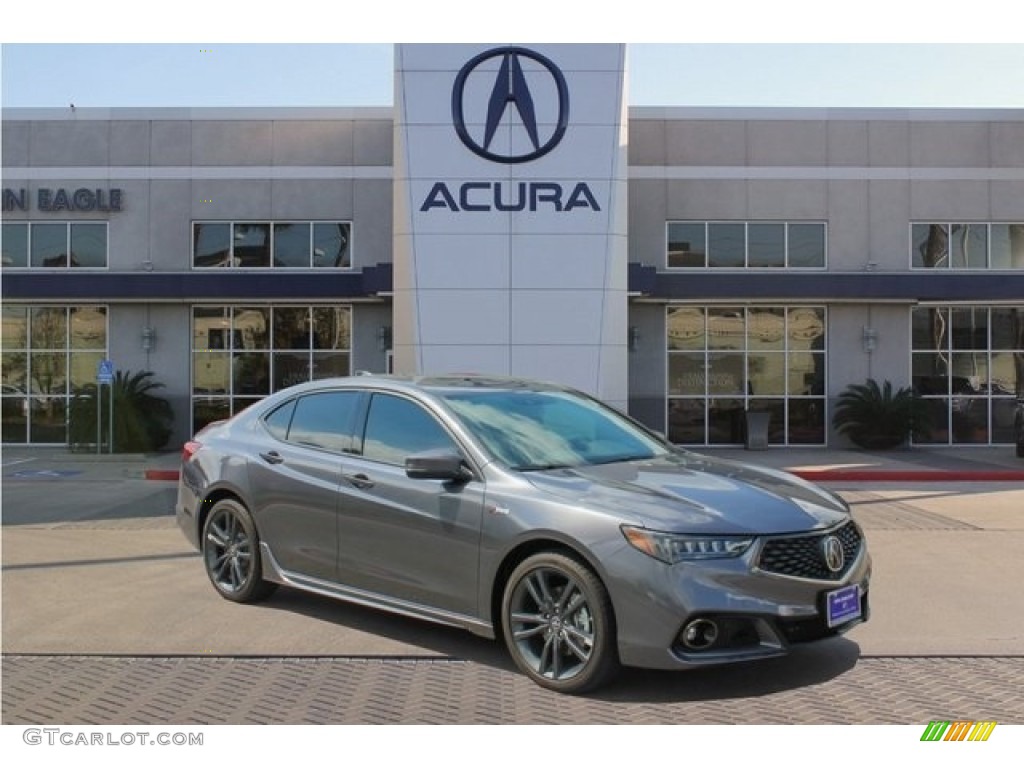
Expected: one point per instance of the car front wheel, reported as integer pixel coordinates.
(558, 623)
(231, 553)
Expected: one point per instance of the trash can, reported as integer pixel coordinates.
(757, 430)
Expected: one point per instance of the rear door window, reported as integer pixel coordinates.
(279, 419)
(325, 420)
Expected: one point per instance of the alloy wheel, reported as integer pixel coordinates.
(552, 623)
(228, 549)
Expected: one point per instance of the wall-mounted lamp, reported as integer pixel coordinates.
(869, 337)
(384, 338)
(634, 338)
(148, 338)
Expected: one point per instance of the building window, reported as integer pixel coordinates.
(48, 354)
(55, 245)
(966, 246)
(266, 244)
(745, 245)
(968, 365)
(724, 361)
(243, 353)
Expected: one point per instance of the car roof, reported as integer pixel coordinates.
(432, 386)
(446, 381)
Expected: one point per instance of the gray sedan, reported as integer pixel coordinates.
(520, 510)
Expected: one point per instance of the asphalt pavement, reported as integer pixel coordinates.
(108, 616)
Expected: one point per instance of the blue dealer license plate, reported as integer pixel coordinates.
(842, 605)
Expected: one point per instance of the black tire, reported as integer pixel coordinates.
(231, 553)
(558, 624)
(1020, 450)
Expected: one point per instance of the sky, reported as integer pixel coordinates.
(285, 75)
(742, 53)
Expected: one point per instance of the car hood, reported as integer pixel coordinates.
(691, 493)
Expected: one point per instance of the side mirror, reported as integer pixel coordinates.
(437, 465)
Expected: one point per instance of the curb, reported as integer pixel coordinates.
(909, 475)
(162, 474)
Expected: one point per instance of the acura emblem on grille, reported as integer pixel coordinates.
(832, 550)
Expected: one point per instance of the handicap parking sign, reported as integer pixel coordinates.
(105, 372)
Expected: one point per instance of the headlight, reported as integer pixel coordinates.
(674, 547)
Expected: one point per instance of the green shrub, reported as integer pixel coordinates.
(142, 421)
(876, 417)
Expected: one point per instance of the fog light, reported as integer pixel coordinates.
(699, 634)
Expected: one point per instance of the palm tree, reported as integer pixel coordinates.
(142, 421)
(876, 417)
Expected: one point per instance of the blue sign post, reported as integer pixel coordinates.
(105, 372)
(105, 375)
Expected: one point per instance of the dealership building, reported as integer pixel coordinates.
(513, 214)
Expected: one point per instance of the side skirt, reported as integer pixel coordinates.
(272, 571)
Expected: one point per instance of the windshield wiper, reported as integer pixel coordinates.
(540, 467)
(617, 459)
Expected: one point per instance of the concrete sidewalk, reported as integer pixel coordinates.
(907, 464)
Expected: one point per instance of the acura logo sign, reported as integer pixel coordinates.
(510, 105)
(513, 98)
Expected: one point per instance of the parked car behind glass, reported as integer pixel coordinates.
(525, 511)
(1018, 427)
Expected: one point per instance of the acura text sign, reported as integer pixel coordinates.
(510, 196)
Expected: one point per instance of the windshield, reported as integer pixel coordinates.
(549, 430)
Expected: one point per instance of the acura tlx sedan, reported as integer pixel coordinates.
(520, 510)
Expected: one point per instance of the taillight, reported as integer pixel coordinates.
(189, 450)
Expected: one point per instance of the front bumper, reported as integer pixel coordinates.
(756, 614)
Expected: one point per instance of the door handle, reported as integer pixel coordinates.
(272, 457)
(360, 481)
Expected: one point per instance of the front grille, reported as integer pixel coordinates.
(801, 556)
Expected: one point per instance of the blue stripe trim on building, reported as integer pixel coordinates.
(824, 286)
(644, 281)
(220, 285)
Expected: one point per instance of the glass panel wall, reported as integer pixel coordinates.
(967, 246)
(48, 354)
(968, 364)
(726, 360)
(264, 244)
(241, 354)
(55, 244)
(745, 245)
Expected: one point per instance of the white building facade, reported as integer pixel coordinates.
(512, 214)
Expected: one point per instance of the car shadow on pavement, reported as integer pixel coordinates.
(435, 640)
(806, 665)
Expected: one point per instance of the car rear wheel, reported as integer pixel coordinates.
(231, 553)
(558, 624)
